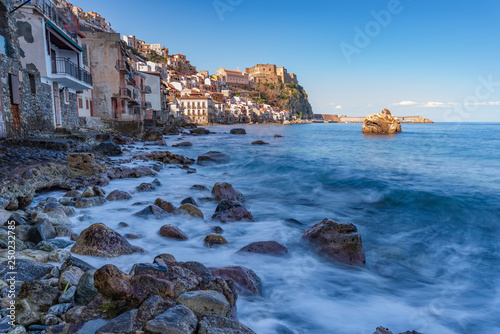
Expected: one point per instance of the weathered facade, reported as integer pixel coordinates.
(269, 73)
(198, 109)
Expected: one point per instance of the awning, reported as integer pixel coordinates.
(54, 29)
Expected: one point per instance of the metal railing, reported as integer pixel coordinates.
(65, 66)
(123, 66)
(124, 92)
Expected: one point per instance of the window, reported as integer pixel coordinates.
(80, 103)
(32, 83)
(87, 103)
(66, 95)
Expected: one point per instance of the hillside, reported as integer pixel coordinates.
(288, 96)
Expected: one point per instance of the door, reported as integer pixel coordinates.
(53, 60)
(57, 105)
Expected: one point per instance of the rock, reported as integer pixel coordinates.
(212, 157)
(173, 232)
(124, 323)
(153, 135)
(52, 244)
(278, 136)
(166, 157)
(26, 270)
(38, 293)
(41, 231)
(82, 165)
(18, 219)
(145, 187)
(83, 202)
(217, 229)
(338, 242)
(59, 309)
(265, 247)
(215, 324)
(231, 211)
(27, 313)
(382, 123)
(156, 182)
(88, 192)
(4, 325)
(165, 257)
(199, 187)
(72, 193)
(190, 209)
(238, 131)
(382, 330)
(177, 320)
(165, 205)
(132, 236)
(223, 190)
(259, 142)
(246, 280)
(63, 231)
(67, 297)
(205, 302)
(152, 211)
(76, 262)
(122, 172)
(118, 195)
(70, 277)
(18, 330)
(113, 283)
(98, 191)
(183, 144)
(100, 240)
(4, 240)
(85, 290)
(59, 255)
(189, 200)
(215, 239)
(150, 308)
(108, 148)
(199, 131)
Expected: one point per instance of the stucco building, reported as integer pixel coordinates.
(197, 109)
(232, 77)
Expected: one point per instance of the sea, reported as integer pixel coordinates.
(425, 201)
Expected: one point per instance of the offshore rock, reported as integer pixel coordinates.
(215, 324)
(118, 195)
(265, 247)
(212, 158)
(166, 157)
(152, 211)
(246, 280)
(153, 135)
(338, 242)
(203, 302)
(191, 210)
(100, 240)
(172, 232)
(215, 239)
(231, 211)
(108, 148)
(238, 131)
(165, 205)
(224, 190)
(382, 123)
(177, 320)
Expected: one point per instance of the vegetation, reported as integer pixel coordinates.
(290, 96)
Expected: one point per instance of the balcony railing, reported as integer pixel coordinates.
(65, 66)
(146, 89)
(64, 19)
(125, 93)
(148, 105)
(131, 78)
(123, 66)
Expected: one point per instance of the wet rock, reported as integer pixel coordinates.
(382, 123)
(4, 241)
(41, 231)
(177, 320)
(223, 190)
(108, 148)
(82, 165)
(124, 323)
(85, 290)
(212, 157)
(67, 297)
(52, 244)
(265, 247)
(100, 240)
(88, 192)
(191, 210)
(152, 211)
(165, 257)
(70, 277)
(113, 283)
(98, 191)
(59, 309)
(166, 157)
(122, 172)
(199, 131)
(231, 211)
(338, 242)
(246, 280)
(150, 308)
(27, 313)
(165, 205)
(153, 135)
(132, 236)
(215, 324)
(59, 255)
(183, 144)
(205, 302)
(76, 262)
(259, 142)
(173, 232)
(199, 187)
(215, 239)
(26, 270)
(84, 202)
(72, 193)
(238, 131)
(218, 229)
(18, 219)
(38, 293)
(143, 187)
(277, 136)
(156, 182)
(189, 200)
(63, 231)
(145, 286)
(18, 330)
(118, 195)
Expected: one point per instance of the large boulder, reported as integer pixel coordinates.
(199, 131)
(215, 324)
(203, 302)
(338, 242)
(26, 270)
(177, 320)
(85, 290)
(224, 190)
(172, 232)
(231, 211)
(191, 210)
(265, 247)
(238, 131)
(183, 144)
(89, 202)
(383, 123)
(215, 239)
(39, 293)
(108, 148)
(212, 158)
(100, 240)
(83, 165)
(118, 195)
(153, 135)
(42, 231)
(165, 205)
(152, 211)
(246, 280)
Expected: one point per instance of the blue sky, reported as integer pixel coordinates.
(438, 59)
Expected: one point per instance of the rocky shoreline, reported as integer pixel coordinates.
(57, 292)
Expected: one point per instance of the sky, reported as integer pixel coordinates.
(437, 59)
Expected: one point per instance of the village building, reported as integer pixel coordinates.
(232, 77)
(197, 109)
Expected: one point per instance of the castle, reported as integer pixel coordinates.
(269, 73)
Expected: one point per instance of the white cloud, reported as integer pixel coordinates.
(439, 104)
(338, 107)
(490, 103)
(405, 103)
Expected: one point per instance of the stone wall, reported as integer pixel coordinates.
(69, 111)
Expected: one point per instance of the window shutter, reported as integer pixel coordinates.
(15, 96)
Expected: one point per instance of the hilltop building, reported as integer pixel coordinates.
(269, 73)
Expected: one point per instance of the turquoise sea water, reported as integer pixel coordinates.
(426, 202)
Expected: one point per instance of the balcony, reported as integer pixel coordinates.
(146, 89)
(123, 66)
(70, 75)
(131, 78)
(148, 105)
(125, 93)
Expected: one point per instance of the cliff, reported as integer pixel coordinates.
(288, 96)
